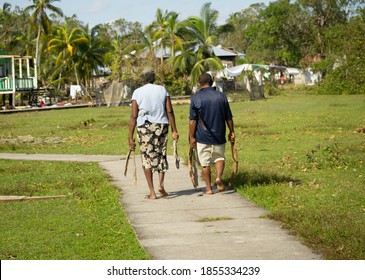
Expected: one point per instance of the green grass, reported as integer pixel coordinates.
(89, 224)
(302, 159)
(300, 156)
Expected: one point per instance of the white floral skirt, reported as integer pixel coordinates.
(152, 138)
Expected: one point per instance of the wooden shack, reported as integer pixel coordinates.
(18, 74)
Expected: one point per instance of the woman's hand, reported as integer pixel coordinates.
(175, 136)
(132, 144)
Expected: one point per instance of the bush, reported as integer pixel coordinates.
(347, 79)
(176, 85)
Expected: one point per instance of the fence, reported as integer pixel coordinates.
(6, 84)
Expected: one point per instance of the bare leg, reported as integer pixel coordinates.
(149, 177)
(206, 175)
(219, 167)
(161, 189)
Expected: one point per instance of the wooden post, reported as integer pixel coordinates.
(35, 82)
(14, 82)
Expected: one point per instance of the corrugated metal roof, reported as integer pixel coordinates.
(223, 52)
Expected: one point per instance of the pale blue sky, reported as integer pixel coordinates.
(143, 11)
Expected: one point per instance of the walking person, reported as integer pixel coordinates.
(209, 114)
(152, 113)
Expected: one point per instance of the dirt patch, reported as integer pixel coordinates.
(28, 139)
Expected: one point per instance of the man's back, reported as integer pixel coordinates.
(211, 110)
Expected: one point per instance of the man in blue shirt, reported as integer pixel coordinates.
(209, 114)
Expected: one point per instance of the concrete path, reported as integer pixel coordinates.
(188, 226)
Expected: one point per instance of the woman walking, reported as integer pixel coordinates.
(152, 114)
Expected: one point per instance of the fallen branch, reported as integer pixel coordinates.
(6, 199)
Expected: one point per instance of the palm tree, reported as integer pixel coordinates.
(198, 53)
(203, 27)
(66, 43)
(91, 56)
(175, 31)
(167, 31)
(158, 30)
(40, 19)
(148, 45)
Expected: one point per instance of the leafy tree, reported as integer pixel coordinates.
(15, 36)
(7, 28)
(345, 59)
(124, 58)
(274, 37)
(122, 28)
(323, 15)
(127, 38)
(241, 21)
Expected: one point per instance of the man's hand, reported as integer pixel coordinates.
(231, 137)
(192, 142)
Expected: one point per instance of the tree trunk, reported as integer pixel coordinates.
(77, 76)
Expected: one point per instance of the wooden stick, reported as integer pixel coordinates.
(5, 199)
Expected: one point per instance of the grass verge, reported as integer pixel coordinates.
(88, 225)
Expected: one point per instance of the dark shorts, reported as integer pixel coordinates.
(152, 138)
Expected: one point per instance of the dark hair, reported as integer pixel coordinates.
(148, 76)
(205, 79)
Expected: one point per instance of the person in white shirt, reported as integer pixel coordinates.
(152, 114)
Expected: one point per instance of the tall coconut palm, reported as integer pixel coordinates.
(198, 52)
(158, 29)
(203, 28)
(167, 31)
(175, 31)
(39, 19)
(66, 43)
(91, 56)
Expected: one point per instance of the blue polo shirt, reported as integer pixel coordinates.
(211, 110)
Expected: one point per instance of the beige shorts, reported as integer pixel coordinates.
(209, 154)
